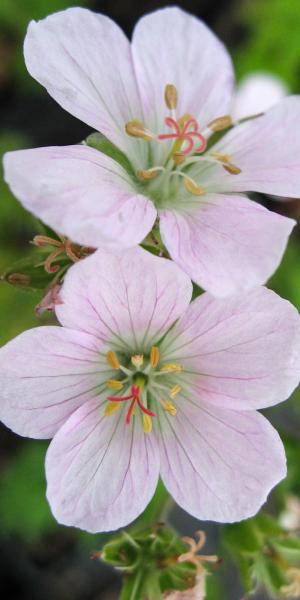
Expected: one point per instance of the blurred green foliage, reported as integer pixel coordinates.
(23, 505)
(15, 15)
(271, 40)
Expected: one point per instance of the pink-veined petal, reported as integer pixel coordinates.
(266, 150)
(84, 61)
(219, 464)
(130, 298)
(227, 244)
(240, 353)
(82, 193)
(46, 374)
(170, 46)
(101, 473)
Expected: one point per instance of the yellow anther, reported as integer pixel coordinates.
(171, 96)
(112, 360)
(136, 129)
(232, 169)
(192, 187)
(111, 408)
(113, 384)
(169, 407)
(221, 157)
(154, 357)
(228, 166)
(171, 368)
(148, 174)
(147, 424)
(137, 360)
(175, 390)
(220, 123)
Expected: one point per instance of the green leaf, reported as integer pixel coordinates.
(243, 537)
(268, 525)
(141, 585)
(245, 567)
(179, 576)
(269, 574)
(289, 549)
(101, 143)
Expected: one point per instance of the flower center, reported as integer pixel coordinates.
(189, 146)
(146, 383)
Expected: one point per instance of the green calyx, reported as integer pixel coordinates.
(149, 562)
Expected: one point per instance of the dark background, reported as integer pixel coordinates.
(40, 560)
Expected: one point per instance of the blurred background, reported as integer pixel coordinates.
(40, 560)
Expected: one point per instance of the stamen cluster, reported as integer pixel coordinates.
(188, 143)
(141, 382)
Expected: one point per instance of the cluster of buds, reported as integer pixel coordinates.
(171, 567)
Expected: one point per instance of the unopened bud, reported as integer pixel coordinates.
(18, 279)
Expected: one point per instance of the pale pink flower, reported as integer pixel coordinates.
(138, 382)
(223, 240)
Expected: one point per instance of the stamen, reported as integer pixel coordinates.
(232, 169)
(220, 123)
(169, 407)
(113, 384)
(225, 160)
(137, 360)
(154, 357)
(192, 187)
(138, 130)
(147, 424)
(175, 390)
(192, 556)
(49, 268)
(148, 174)
(44, 240)
(171, 96)
(190, 184)
(178, 159)
(70, 251)
(171, 368)
(221, 157)
(111, 408)
(112, 360)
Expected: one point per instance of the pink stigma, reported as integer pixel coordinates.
(135, 399)
(189, 133)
